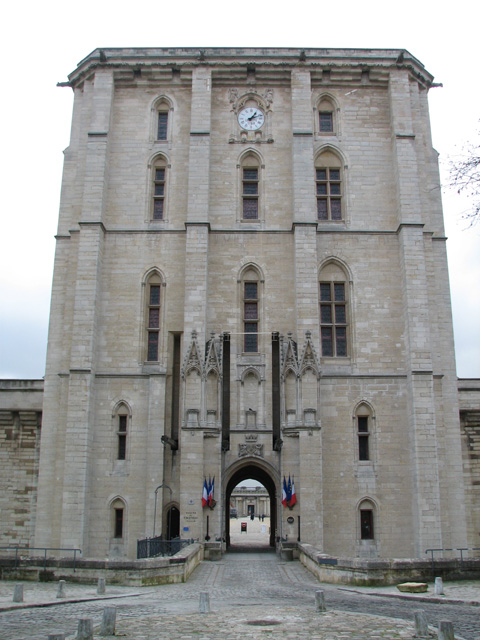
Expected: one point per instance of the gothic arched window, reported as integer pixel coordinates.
(328, 186)
(153, 316)
(334, 312)
(251, 187)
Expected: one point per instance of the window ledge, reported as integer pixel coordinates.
(334, 223)
(365, 469)
(121, 468)
(153, 368)
(255, 224)
(158, 224)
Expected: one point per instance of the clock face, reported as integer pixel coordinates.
(251, 118)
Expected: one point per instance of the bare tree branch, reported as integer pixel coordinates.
(464, 177)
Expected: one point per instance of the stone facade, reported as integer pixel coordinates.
(247, 500)
(20, 424)
(251, 302)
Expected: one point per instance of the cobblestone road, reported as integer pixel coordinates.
(251, 595)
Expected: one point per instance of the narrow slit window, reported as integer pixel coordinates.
(162, 125)
(250, 316)
(122, 437)
(153, 323)
(118, 524)
(250, 192)
(159, 193)
(363, 437)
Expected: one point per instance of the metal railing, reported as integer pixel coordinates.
(153, 547)
(460, 549)
(18, 558)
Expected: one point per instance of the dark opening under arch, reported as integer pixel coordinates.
(255, 473)
(173, 523)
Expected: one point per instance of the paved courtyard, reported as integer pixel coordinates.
(252, 594)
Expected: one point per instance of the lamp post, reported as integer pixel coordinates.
(155, 508)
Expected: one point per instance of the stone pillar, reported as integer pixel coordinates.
(61, 589)
(154, 453)
(85, 629)
(75, 432)
(308, 487)
(418, 362)
(204, 606)
(108, 621)
(196, 290)
(445, 630)
(304, 207)
(421, 625)
(320, 601)
(18, 593)
(439, 587)
(307, 447)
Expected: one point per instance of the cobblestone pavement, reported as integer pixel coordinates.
(252, 595)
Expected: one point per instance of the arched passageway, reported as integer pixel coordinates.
(252, 471)
(173, 523)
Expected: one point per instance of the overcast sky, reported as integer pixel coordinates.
(42, 42)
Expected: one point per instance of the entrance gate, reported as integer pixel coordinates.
(261, 475)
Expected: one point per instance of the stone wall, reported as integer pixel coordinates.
(469, 394)
(20, 425)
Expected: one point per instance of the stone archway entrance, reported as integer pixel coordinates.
(255, 473)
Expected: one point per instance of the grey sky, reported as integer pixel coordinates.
(45, 41)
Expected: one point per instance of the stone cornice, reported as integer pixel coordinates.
(281, 59)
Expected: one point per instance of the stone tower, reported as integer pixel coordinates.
(251, 282)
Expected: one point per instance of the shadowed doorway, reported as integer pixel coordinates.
(260, 475)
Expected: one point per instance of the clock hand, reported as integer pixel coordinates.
(255, 115)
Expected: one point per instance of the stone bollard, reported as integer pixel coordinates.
(204, 602)
(56, 636)
(101, 586)
(445, 630)
(85, 629)
(108, 622)
(421, 624)
(61, 589)
(439, 587)
(320, 601)
(18, 593)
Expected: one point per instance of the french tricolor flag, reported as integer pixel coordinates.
(205, 494)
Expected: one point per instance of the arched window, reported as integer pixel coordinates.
(153, 316)
(121, 421)
(250, 310)
(334, 311)
(328, 180)
(159, 188)
(366, 512)
(118, 519)
(162, 111)
(250, 170)
(363, 425)
(326, 116)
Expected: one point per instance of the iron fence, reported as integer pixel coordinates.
(153, 547)
(25, 554)
(459, 549)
